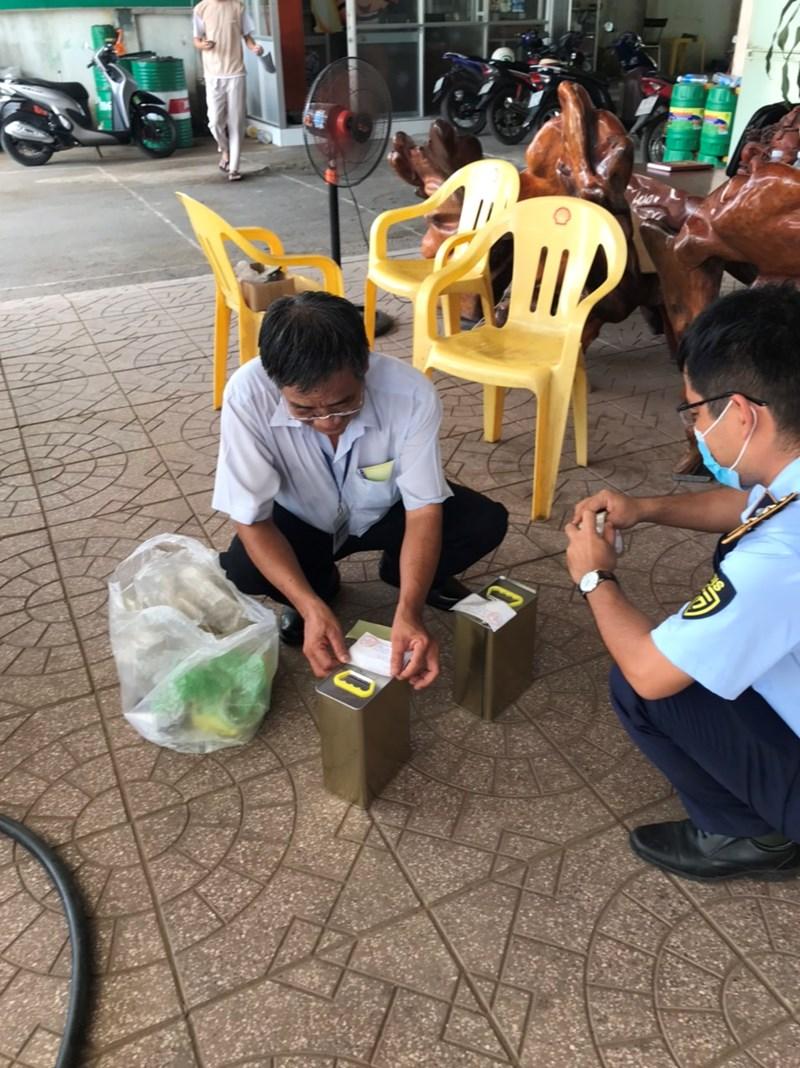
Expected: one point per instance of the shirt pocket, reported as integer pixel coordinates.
(378, 472)
(369, 494)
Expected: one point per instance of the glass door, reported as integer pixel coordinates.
(509, 18)
(453, 11)
(586, 18)
(395, 54)
(261, 14)
(388, 36)
(264, 79)
(468, 38)
(324, 35)
(405, 39)
(450, 26)
(277, 85)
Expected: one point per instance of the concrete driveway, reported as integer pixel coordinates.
(82, 222)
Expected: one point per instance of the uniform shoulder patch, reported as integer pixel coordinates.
(766, 508)
(718, 592)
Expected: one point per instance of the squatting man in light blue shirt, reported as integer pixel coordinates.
(712, 695)
(326, 450)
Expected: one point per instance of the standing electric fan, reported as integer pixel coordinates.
(346, 124)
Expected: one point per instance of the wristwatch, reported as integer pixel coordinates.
(592, 579)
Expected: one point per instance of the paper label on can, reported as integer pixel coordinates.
(493, 613)
(371, 653)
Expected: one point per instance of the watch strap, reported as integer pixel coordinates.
(602, 576)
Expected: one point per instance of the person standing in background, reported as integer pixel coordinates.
(219, 27)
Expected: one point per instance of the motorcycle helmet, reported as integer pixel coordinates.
(503, 55)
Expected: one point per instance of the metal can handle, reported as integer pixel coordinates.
(341, 682)
(500, 593)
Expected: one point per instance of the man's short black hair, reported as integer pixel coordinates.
(749, 342)
(306, 338)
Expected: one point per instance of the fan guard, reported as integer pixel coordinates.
(346, 121)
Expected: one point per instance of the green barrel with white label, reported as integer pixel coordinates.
(164, 76)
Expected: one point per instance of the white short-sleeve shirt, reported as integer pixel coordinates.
(225, 22)
(247, 24)
(743, 629)
(265, 455)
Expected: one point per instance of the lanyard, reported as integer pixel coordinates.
(330, 462)
(340, 528)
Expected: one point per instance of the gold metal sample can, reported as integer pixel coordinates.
(364, 725)
(492, 668)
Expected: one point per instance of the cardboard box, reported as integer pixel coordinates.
(259, 295)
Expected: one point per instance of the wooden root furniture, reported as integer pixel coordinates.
(748, 226)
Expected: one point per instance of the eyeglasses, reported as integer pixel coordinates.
(688, 413)
(321, 418)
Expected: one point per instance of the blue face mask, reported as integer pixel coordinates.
(726, 476)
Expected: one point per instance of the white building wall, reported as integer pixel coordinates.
(56, 44)
(758, 24)
(713, 20)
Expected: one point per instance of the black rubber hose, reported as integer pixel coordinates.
(75, 1025)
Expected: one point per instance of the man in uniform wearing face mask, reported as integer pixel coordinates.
(712, 694)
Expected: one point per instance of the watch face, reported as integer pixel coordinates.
(588, 582)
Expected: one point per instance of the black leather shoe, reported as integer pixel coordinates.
(683, 849)
(443, 596)
(446, 594)
(291, 627)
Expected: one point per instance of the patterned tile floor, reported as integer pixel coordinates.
(487, 910)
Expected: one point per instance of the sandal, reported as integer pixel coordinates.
(223, 166)
(234, 176)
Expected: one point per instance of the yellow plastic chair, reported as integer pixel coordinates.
(556, 241)
(212, 231)
(490, 187)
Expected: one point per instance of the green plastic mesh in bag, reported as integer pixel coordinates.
(225, 696)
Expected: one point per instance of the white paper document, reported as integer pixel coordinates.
(371, 653)
(491, 612)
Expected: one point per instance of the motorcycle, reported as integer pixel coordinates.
(567, 50)
(7, 104)
(455, 93)
(526, 102)
(645, 96)
(50, 117)
(519, 103)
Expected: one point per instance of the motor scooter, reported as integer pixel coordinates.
(568, 50)
(525, 101)
(519, 103)
(47, 117)
(644, 108)
(455, 93)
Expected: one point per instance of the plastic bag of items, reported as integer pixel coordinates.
(195, 657)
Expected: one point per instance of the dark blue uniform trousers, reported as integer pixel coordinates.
(735, 764)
